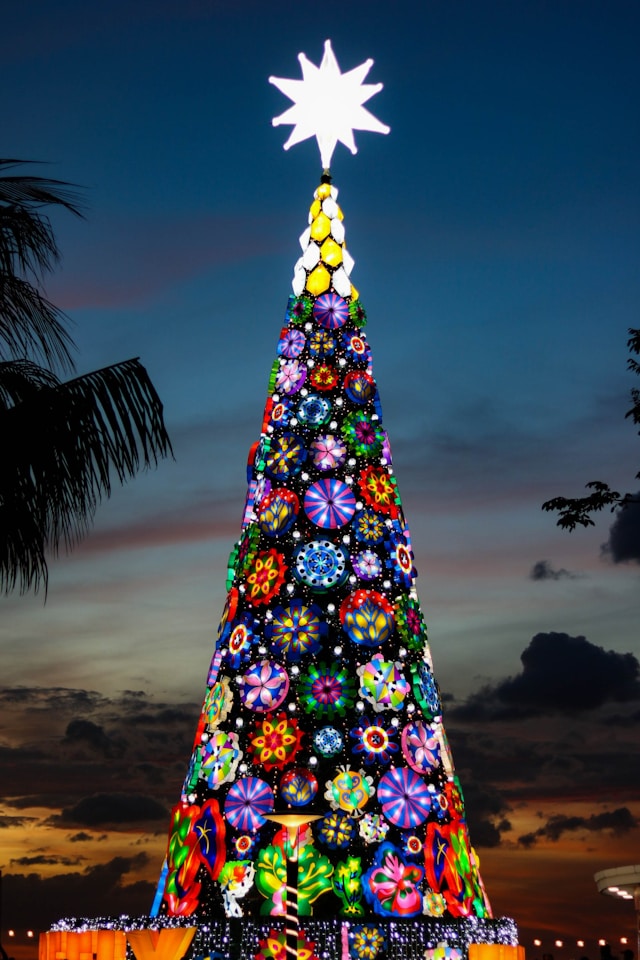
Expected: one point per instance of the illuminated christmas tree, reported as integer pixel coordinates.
(321, 698)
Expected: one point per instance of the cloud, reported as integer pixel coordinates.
(114, 809)
(560, 673)
(82, 837)
(42, 860)
(99, 890)
(542, 570)
(94, 736)
(617, 822)
(485, 809)
(623, 545)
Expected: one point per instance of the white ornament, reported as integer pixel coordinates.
(327, 104)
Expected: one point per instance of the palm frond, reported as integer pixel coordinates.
(37, 191)
(63, 446)
(20, 380)
(31, 324)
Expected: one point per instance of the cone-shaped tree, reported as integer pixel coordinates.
(321, 697)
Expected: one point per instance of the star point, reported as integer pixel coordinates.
(328, 104)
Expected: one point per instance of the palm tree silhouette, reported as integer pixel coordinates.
(63, 442)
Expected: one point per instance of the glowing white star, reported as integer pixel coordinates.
(328, 104)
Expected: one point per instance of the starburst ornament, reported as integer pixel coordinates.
(328, 104)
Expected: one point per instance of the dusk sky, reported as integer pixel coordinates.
(496, 234)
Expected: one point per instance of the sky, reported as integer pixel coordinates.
(496, 234)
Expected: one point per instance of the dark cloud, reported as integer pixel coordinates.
(114, 809)
(100, 890)
(623, 545)
(51, 698)
(41, 860)
(542, 570)
(89, 733)
(83, 837)
(6, 821)
(617, 822)
(560, 673)
(486, 809)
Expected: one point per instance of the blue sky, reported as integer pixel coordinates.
(496, 238)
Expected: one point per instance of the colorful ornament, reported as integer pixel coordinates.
(326, 690)
(243, 636)
(391, 885)
(247, 801)
(335, 830)
(286, 456)
(425, 690)
(367, 618)
(291, 376)
(420, 747)
(369, 527)
(378, 490)
(404, 797)
(321, 344)
(364, 436)
(264, 686)
(324, 377)
(298, 787)
(292, 342)
(359, 386)
(374, 742)
(221, 755)
(275, 741)
(328, 452)
(265, 576)
(367, 565)
(277, 512)
(328, 742)
(410, 621)
(296, 630)
(349, 790)
(330, 311)
(320, 565)
(313, 411)
(329, 503)
(373, 828)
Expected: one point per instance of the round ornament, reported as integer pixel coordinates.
(321, 344)
(335, 830)
(286, 456)
(382, 684)
(378, 490)
(296, 629)
(325, 690)
(330, 311)
(298, 787)
(291, 344)
(349, 790)
(367, 565)
(275, 741)
(364, 435)
(313, 411)
(404, 798)
(277, 512)
(242, 638)
(328, 452)
(425, 690)
(221, 755)
(265, 576)
(328, 742)
(359, 386)
(329, 503)
(264, 686)
(367, 618)
(247, 802)
(320, 565)
(421, 747)
(369, 527)
(291, 376)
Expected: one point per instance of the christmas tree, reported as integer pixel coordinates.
(322, 710)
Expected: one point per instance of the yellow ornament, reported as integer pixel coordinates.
(323, 191)
(315, 209)
(321, 227)
(331, 252)
(354, 293)
(318, 280)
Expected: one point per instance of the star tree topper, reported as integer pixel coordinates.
(327, 104)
